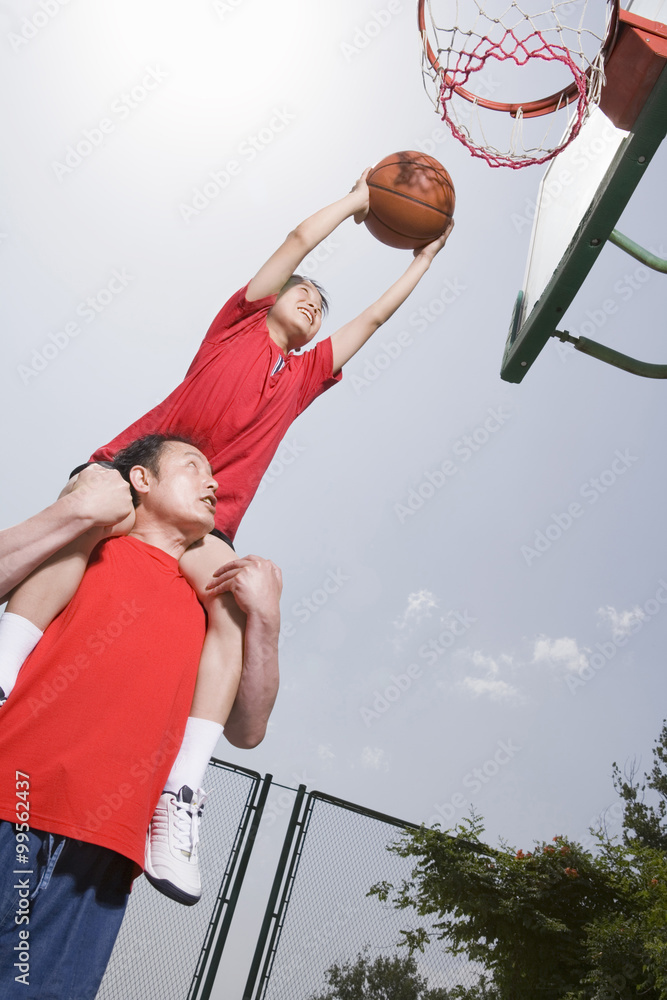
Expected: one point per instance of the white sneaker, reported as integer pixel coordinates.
(172, 865)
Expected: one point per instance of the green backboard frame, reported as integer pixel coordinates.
(529, 334)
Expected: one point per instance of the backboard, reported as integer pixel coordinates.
(587, 186)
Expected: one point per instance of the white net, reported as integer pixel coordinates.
(527, 58)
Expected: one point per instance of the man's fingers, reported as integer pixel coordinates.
(227, 572)
(232, 564)
(227, 575)
(222, 577)
(214, 589)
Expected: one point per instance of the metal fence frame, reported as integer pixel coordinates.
(276, 910)
(223, 911)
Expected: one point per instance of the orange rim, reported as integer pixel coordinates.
(531, 109)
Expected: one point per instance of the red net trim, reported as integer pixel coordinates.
(534, 46)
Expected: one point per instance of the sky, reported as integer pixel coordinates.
(475, 573)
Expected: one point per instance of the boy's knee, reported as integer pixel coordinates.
(198, 563)
(123, 527)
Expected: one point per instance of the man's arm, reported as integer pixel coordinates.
(308, 234)
(351, 337)
(95, 497)
(256, 585)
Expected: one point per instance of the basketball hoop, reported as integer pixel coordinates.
(469, 54)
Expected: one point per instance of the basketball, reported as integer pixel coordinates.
(411, 200)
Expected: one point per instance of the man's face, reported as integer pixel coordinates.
(299, 310)
(184, 493)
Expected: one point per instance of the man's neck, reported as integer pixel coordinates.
(167, 537)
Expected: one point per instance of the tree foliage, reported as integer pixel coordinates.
(643, 822)
(384, 978)
(557, 922)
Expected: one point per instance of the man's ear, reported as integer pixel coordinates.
(140, 479)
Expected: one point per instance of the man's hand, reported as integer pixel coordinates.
(255, 583)
(102, 494)
(362, 196)
(431, 249)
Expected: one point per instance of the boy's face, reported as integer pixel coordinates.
(299, 311)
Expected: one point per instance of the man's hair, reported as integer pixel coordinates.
(298, 279)
(145, 451)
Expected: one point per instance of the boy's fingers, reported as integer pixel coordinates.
(431, 249)
(362, 179)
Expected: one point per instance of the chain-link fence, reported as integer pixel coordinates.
(324, 916)
(163, 947)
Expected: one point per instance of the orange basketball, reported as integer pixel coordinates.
(411, 200)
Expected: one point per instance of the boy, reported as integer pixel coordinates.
(242, 391)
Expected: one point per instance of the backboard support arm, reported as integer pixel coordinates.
(603, 353)
(639, 253)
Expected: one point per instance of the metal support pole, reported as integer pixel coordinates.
(611, 357)
(639, 253)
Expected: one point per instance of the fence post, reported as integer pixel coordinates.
(236, 889)
(271, 914)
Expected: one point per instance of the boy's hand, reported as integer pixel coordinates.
(362, 195)
(431, 249)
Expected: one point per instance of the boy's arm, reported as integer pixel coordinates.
(347, 341)
(308, 234)
(256, 584)
(95, 497)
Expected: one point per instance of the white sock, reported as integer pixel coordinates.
(199, 740)
(18, 638)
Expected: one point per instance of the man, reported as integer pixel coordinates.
(110, 684)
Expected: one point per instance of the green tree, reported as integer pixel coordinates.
(558, 922)
(393, 978)
(644, 822)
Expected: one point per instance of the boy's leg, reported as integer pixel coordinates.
(222, 656)
(51, 586)
(42, 596)
(44, 593)
(171, 850)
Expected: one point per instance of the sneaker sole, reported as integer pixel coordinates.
(167, 888)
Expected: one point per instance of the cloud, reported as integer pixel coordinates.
(487, 682)
(497, 690)
(622, 622)
(324, 751)
(563, 653)
(373, 758)
(511, 678)
(420, 606)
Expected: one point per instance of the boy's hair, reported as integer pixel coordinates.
(145, 451)
(298, 279)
